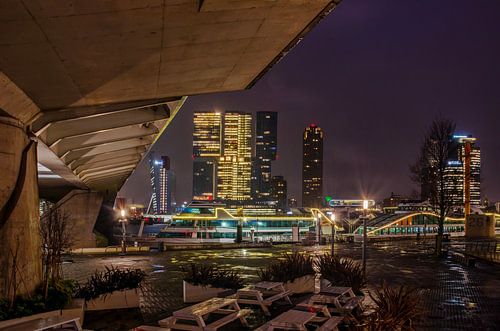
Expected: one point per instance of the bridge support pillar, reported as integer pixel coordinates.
(81, 207)
(20, 248)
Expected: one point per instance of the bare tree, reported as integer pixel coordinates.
(56, 239)
(430, 170)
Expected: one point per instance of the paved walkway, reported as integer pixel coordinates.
(457, 297)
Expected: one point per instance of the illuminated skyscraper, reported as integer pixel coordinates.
(266, 143)
(463, 173)
(278, 191)
(312, 167)
(235, 165)
(162, 185)
(207, 148)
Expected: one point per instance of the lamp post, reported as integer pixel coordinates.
(122, 220)
(334, 233)
(365, 237)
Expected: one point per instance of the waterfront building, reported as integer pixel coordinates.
(162, 185)
(266, 146)
(207, 149)
(278, 192)
(235, 165)
(212, 223)
(312, 167)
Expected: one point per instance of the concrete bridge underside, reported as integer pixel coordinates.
(87, 86)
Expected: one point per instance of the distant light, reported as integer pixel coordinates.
(122, 212)
(260, 223)
(158, 162)
(460, 136)
(365, 204)
(332, 217)
(453, 162)
(224, 224)
(328, 198)
(289, 212)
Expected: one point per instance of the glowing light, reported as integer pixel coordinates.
(365, 204)
(122, 212)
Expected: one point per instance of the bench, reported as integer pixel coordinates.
(269, 301)
(463, 258)
(352, 303)
(149, 328)
(331, 324)
(228, 319)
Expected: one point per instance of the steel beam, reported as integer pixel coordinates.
(106, 148)
(83, 125)
(140, 150)
(112, 161)
(65, 145)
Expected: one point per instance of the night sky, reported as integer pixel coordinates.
(372, 75)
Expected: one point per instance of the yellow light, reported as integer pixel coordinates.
(122, 212)
(365, 204)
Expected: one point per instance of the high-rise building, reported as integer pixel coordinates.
(463, 173)
(312, 167)
(278, 192)
(235, 165)
(207, 149)
(162, 185)
(266, 145)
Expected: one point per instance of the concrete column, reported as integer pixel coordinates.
(19, 216)
(82, 208)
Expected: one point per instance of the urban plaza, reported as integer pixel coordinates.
(242, 165)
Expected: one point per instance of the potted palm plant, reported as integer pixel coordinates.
(294, 270)
(202, 282)
(395, 308)
(112, 289)
(339, 271)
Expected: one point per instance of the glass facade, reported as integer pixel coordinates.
(312, 167)
(235, 165)
(207, 148)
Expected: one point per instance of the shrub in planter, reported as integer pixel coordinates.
(209, 275)
(203, 282)
(395, 308)
(295, 270)
(59, 294)
(109, 281)
(341, 272)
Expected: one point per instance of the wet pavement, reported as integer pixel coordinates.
(456, 297)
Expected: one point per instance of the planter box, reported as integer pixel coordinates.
(301, 285)
(197, 293)
(116, 300)
(72, 311)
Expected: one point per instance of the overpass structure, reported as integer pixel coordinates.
(87, 86)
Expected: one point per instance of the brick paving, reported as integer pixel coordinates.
(456, 297)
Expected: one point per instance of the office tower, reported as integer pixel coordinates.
(463, 173)
(278, 191)
(234, 168)
(312, 167)
(162, 185)
(266, 143)
(207, 148)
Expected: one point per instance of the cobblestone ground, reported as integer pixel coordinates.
(456, 297)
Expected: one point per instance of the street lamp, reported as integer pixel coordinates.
(365, 237)
(122, 220)
(334, 233)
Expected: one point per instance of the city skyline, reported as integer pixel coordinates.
(363, 103)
